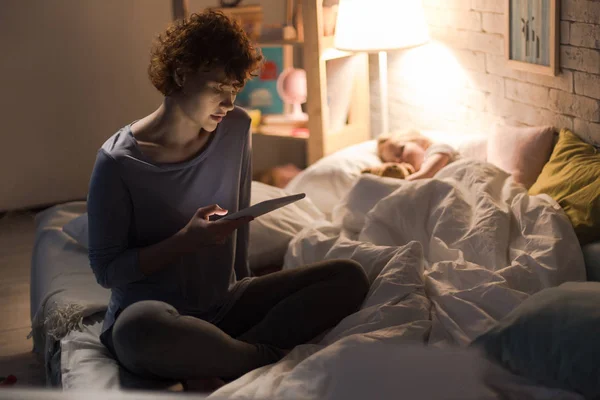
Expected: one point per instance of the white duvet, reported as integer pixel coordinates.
(447, 259)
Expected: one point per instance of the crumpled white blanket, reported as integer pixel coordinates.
(447, 258)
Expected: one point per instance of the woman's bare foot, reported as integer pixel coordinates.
(204, 385)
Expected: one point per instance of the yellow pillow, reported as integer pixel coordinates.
(572, 178)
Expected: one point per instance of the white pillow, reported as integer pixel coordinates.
(269, 234)
(474, 147)
(328, 180)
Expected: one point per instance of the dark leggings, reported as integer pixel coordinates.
(275, 312)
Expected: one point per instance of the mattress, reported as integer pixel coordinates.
(77, 360)
(61, 276)
(67, 304)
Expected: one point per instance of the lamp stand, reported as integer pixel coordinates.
(383, 92)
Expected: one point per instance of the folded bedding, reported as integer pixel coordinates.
(447, 258)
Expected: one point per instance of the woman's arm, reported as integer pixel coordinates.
(430, 166)
(112, 259)
(109, 219)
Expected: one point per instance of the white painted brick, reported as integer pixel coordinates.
(450, 37)
(486, 42)
(496, 6)
(558, 121)
(493, 23)
(563, 81)
(496, 65)
(565, 32)
(470, 60)
(513, 112)
(405, 116)
(585, 35)
(408, 96)
(503, 107)
(588, 131)
(580, 59)
(448, 4)
(473, 99)
(469, 20)
(580, 11)
(587, 85)
(526, 92)
(467, 40)
(485, 82)
(572, 104)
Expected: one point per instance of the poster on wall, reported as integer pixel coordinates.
(261, 92)
(532, 35)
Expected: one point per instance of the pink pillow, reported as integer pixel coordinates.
(521, 151)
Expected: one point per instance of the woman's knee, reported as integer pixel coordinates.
(139, 327)
(353, 276)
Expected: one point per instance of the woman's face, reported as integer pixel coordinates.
(399, 151)
(206, 97)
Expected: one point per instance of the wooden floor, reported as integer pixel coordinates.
(17, 232)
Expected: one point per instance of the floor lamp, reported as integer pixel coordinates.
(376, 26)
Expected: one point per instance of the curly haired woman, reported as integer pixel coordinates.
(183, 304)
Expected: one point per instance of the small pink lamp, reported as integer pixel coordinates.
(291, 86)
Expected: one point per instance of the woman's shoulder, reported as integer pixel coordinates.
(237, 119)
(119, 144)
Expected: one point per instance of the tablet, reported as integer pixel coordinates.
(265, 207)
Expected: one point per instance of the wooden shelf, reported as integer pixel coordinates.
(301, 138)
(328, 51)
(282, 42)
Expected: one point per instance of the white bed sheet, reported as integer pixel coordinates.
(406, 316)
(447, 259)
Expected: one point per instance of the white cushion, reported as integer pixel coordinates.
(271, 233)
(328, 180)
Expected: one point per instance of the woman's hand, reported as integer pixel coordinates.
(200, 231)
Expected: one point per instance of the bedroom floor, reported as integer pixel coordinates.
(17, 231)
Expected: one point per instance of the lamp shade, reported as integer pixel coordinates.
(380, 25)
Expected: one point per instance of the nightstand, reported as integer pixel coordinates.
(269, 151)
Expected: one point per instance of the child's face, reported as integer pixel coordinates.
(398, 151)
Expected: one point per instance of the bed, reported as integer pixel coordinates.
(429, 285)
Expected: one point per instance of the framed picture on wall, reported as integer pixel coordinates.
(532, 35)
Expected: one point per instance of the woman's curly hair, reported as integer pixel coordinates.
(207, 40)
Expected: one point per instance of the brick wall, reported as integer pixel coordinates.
(460, 81)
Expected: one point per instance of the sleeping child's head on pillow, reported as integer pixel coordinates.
(403, 147)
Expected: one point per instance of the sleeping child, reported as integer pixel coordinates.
(410, 155)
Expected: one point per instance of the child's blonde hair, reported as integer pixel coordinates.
(409, 135)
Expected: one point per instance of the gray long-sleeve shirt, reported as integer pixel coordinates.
(134, 202)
